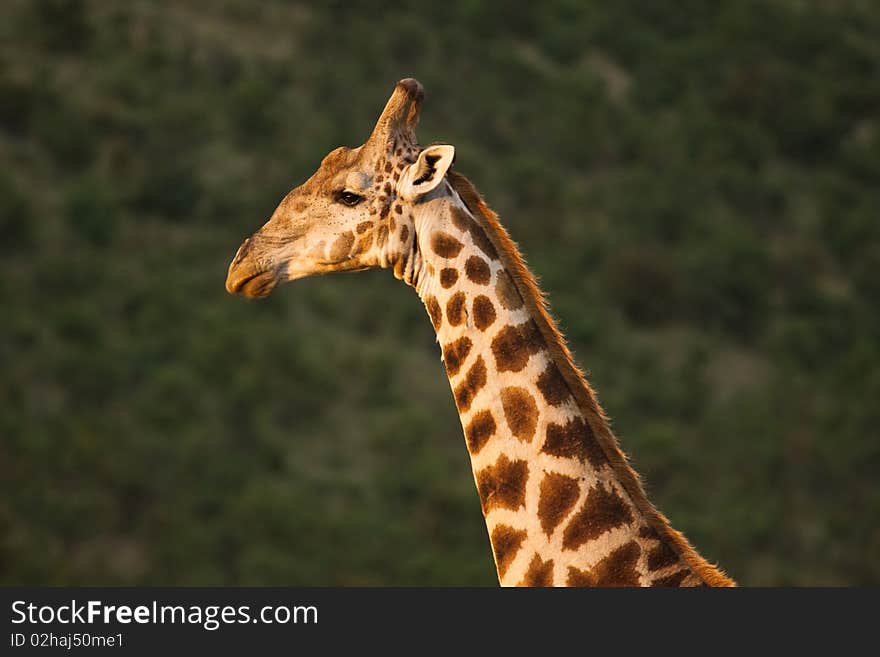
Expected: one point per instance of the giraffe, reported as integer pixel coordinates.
(561, 503)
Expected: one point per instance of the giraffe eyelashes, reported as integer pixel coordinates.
(348, 198)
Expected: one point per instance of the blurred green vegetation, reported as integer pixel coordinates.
(696, 183)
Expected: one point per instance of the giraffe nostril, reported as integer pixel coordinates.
(242, 251)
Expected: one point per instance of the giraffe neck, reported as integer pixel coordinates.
(562, 507)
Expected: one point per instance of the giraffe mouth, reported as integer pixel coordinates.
(253, 285)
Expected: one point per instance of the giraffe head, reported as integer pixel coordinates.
(353, 213)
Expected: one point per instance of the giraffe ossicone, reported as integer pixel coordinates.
(561, 503)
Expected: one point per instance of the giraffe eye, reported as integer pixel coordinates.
(349, 198)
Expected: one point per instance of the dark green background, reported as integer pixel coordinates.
(697, 184)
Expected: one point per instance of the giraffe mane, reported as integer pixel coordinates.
(581, 390)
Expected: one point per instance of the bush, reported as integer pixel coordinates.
(62, 25)
(728, 285)
(92, 212)
(16, 231)
(644, 282)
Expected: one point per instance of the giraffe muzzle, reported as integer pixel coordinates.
(252, 285)
(247, 279)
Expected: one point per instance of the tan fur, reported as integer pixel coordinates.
(583, 394)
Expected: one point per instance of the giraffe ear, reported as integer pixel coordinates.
(426, 173)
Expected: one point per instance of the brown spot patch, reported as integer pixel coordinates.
(558, 495)
(617, 569)
(574, 439)
(540, 573)
(503, 485)
(661, 556)
(532, 336)
(445, 245)
(448, 277)
(388, 167)
(460, 218)
(675, 579)
(479, 430)
(365, 243)
(392, 224)
(506, 542)
(363, 227)
(602, 511)
(455, 353)
(477, 270)
(513, 345)
(342, 246)
(552, 385)
(484, 312)
(520, 411)
(464, 222)
(577, 577)
(455, 308)
(382, 237)
(404, 233)
(473, 383)
(398, 208)
(508, 295)
(509, 350)
(481, 240)
(434, 311)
